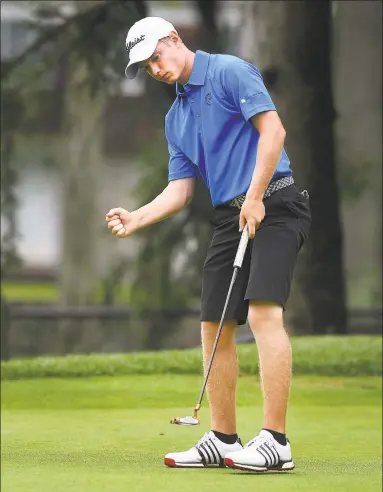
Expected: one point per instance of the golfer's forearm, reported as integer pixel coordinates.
(166, 204)
(268, 154)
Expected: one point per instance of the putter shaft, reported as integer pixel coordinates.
(237, 265)
(233, 279)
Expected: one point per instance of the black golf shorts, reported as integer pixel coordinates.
(268, 266)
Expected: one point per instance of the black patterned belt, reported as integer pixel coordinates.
(272, 188)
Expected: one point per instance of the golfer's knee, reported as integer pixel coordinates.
(209, 331)
(265, 315)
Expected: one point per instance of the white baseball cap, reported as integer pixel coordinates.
(142, 40)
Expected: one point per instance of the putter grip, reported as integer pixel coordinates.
(242, 247)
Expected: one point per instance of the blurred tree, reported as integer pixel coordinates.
(5, 329)
(88, 38)
(293, 51)
(12, 113)
(10, 259)
(80, 156)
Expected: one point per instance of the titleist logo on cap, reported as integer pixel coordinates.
(133, 43)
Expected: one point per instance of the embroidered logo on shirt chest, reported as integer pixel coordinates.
(208, 99)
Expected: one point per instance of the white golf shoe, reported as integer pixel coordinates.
(208, 452)
(263, 453)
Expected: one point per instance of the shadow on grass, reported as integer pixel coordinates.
(248, 472)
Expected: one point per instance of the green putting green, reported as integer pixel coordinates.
(110, 434)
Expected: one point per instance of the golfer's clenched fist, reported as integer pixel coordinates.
(122, 222)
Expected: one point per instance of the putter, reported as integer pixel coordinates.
(237, 265)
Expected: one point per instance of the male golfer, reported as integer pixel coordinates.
(224, 128)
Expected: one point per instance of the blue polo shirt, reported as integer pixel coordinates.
(208, 127)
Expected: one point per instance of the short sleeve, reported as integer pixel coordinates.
(245, 88)
(179, 165)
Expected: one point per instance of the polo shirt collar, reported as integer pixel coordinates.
(198, 75)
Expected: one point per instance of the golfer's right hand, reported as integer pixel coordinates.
(122, 222)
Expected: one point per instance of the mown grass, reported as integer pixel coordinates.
(105, 434)
(322, 355)
(48, 292)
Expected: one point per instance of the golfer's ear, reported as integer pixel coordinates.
(175, 39)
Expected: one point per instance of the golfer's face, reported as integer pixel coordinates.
(165, 65)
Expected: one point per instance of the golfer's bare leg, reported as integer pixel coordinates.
(222, 381)
(275, 360)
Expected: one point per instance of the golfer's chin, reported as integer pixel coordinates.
(169, 79)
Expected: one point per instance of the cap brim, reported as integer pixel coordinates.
(131, 70)
(144, 53)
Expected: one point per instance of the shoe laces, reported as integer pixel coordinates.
(259, 440)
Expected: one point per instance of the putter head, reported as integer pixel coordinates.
(185, 421)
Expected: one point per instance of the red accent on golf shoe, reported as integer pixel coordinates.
(170, 462)
(229, 462)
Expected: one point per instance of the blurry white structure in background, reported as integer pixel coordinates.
(14, 36)
(236, 19)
